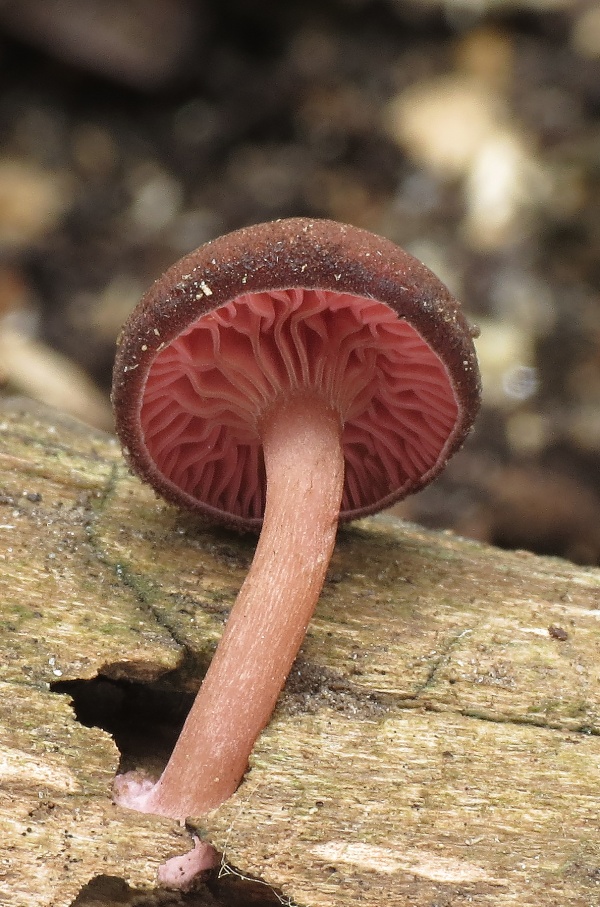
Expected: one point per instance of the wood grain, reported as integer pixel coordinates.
(437, 742)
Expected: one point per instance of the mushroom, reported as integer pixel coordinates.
(288, 375)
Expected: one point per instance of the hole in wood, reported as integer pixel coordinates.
(228, 891)
(144, 719)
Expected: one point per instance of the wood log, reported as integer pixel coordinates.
(437, 742)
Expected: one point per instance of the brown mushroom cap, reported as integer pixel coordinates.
(290, 307)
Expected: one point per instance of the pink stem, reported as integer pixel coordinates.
(305, 476)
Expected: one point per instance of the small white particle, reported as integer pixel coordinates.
(144, 347)
(205, 288)
(157, 332)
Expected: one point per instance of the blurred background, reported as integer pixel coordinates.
(468, 131)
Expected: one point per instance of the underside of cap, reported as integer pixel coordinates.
(285, 309)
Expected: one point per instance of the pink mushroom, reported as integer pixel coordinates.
(287, 375)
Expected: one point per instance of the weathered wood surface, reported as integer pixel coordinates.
(436, 743)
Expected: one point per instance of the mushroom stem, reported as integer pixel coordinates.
(305, 476)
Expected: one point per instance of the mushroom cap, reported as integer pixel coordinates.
(295, 306)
